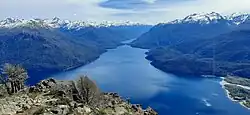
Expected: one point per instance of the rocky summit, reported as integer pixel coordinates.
(50, 97)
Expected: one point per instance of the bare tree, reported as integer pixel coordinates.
(82, 90)
(87, 90)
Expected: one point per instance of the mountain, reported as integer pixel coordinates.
(239, 18)
(210, 18)
(225, 54)
(37, 47)
(222, 55)
(192, 27)
(208, 44)
(107, 37)
(245, 25)
(67, 24)
(50, 45)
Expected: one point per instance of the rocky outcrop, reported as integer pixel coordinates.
(43, 85)
(45, 98)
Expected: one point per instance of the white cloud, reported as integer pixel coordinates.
(90, 9)
(149, 1)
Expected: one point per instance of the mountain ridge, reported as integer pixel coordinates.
(192, 27)
(200, 46)
(213, 17)
(58, 23)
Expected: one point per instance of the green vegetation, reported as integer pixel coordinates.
(221, 56)
(88, 92)
(238, 81)
(239, 93)
(13, 78)
(173, 34)
(41, 49)
(247, 103)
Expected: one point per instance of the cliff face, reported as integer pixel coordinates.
(49, 97)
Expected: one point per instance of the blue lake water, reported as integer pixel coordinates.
(126, 71)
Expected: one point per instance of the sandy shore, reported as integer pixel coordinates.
(223, 83)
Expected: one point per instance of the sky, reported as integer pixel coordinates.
(143, 11)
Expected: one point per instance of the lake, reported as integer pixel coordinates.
(126, 71)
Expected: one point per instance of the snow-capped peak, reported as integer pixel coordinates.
(239, 18)
(56, 19)
(9, 21)
(58, 23)
(204, 18)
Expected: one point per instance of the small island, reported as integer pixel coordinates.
(55, 97)
(237, 89)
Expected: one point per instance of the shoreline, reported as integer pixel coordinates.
(223, 83)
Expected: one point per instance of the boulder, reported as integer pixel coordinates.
(150, 111)
(43, 85)
(83, 110)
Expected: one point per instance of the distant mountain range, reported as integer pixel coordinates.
(200, 44)
(112, 32)
(197, 44)
(194, 26)
(58, 23)
(56, 45)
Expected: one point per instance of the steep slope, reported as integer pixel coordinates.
(225, 54)
(44, 48)
(200, 44)
(101, 37)
(192, 27)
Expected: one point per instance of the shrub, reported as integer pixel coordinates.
(13, 77)
(87, 91)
